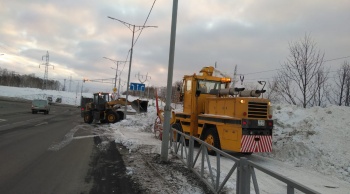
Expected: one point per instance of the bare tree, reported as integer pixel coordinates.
(321, 88)
(284, 88)
(296, 81)
(347, 90)
(272, 91)
(341, 89)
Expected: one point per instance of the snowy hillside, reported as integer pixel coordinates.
(72, 98)
(314, 139)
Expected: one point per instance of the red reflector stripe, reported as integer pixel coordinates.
(249, 143)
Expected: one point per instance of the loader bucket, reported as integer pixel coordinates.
(139, 105)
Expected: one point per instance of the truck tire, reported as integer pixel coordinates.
(112, 117)
(178, 127)
(212, 138)
(88, 117)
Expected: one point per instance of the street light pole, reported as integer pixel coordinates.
(131, 51)
(167, 108)
(116, 73)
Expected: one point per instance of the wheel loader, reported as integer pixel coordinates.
(106, 110)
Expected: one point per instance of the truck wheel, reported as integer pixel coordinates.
(212, 138)
(88, 117)
(112, 117)
(178, 127)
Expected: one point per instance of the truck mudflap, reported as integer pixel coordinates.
(256, 143)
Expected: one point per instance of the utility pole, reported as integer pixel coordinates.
(167, 108)
(64, 85)
(131, 51)
(70, 83)
(116, 74)
(46, 75)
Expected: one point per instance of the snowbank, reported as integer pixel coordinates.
(316, 138)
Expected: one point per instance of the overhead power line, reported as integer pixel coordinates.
(334, 59)
(127, 56)
(145, 21)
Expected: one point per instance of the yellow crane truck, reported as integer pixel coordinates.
(231, 119)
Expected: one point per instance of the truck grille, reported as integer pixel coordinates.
(257, 110)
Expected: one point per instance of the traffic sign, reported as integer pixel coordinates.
(114, 90)
(137, 87)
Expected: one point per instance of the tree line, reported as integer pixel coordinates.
(13, 79)
(304, 80)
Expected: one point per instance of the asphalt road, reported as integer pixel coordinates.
(42, 154)
(28, 164)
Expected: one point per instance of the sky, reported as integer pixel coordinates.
(254, 35)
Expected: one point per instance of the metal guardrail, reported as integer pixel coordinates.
(245, 169)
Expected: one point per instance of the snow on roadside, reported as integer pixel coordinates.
(316, 138)
(137, 130)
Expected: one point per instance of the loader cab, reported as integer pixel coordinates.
(100, 100)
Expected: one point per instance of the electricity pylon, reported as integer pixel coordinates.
(47, 64)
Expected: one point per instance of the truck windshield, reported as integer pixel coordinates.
(209, 87)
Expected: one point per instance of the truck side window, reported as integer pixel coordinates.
(188, 85)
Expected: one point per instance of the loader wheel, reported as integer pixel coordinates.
(212, 138)
(112, 117)
(121, 115)
(88, 117)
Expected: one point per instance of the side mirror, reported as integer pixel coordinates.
(181, 98)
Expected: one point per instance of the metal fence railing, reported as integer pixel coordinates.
(199, 162)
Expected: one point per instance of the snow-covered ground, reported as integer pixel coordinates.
(310, 146)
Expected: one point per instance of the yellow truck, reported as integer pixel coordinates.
(231, 119)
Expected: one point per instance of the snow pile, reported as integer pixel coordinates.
(137, 130)
(316, 138)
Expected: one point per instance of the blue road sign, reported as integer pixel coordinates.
(137, 87)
